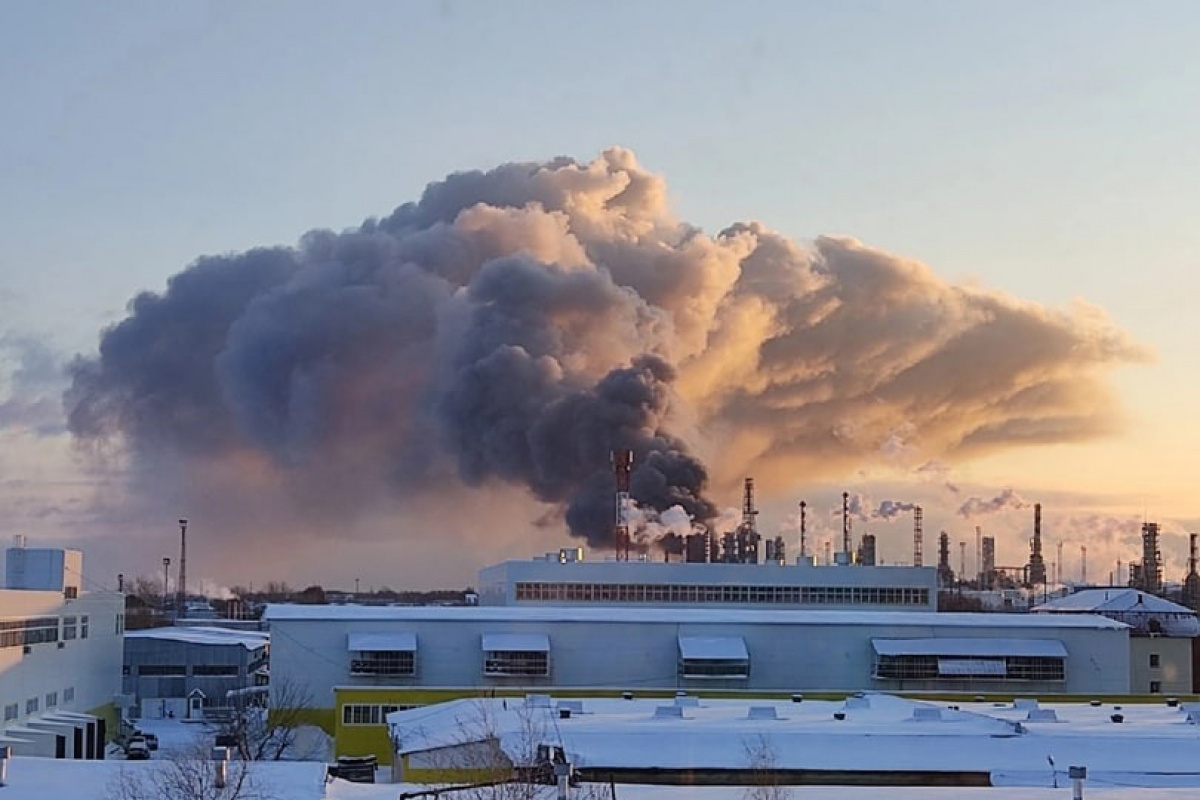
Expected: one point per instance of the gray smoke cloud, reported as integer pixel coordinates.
(978, 506)
(890, 509)
(513, 326)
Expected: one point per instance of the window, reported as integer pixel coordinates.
(383, 662)
(1011, 668)
(70, 628)
(515, 663)
(1154, 660)
(713, 657)
(753, 595)
(162, 670)
(1155, 687)
(51, 699)
(83, 627)
(369, 713)
(215, 670)
(19, 632)
(31, 705)
(10, 712)
(69, 694)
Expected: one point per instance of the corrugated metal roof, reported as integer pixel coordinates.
(970, 648)
(1101, 601)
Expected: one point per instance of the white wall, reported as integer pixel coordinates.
(91, 666)
(643, 654)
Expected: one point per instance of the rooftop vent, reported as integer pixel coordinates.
(927, 714)
(1041, 715)
(762, 712)
(668, 712)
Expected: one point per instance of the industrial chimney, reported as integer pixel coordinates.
(1036, 570)
(181, 590)
(622, 463)
(846, 524)
(918, 538)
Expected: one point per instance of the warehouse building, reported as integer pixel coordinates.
(566, 578)
(60, 656)
(188, 672)
(361, 663)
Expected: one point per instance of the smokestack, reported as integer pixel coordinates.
(803, 529)
(1082, 565)
(1191, 583)
(846, 523)
(622, 463)
(945, 574)
(979, 555)
(181, 590)
(918, 538)
(1036, 569)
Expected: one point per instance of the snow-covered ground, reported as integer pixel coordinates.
(1154, 754)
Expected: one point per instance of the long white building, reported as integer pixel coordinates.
(359, 663)
(60, 661)
(566, 580)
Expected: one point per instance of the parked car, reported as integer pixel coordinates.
(151, 740)
(137, 750)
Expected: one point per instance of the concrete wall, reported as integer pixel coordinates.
(1174, 670)
(91, 667)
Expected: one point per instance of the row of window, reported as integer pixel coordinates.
(32, 705)
(766, 595)
(530, 664)
(39, 630)
(718, 668)
(1009, 668)
(181, 670)
(369, 713)
(384, 662)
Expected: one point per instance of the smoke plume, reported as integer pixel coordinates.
(511, 327)
(890, 509)
(978, 506)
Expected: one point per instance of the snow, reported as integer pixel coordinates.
(1104, 600)
(516, 642)
(732, 616)
(382, 642)
(1155, 745)
(251, 640)
(713, 648)
(967, 648)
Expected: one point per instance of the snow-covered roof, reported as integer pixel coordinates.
(970, 648)
(516, 642)
(658, 614)
(877, 732)
(1101, 601)
(251, 640)
(382, 642)
(713, 648)
(1145, 613)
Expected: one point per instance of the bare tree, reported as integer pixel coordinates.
(185, 775)
(763, 761)
(269, 733)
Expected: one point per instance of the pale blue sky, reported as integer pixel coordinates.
(1048, 149)
(1045, 148)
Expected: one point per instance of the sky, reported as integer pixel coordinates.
(1041, 151)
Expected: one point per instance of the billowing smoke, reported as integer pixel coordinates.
(978, 506)
(513, 326)
(890, 509)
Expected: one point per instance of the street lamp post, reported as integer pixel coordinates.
(166, 579)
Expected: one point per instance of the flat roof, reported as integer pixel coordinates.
(278, 612)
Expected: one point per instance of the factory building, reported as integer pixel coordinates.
(567, 579)
(1163, 636)
(60, 656)
(187, 672)
(361, 663)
